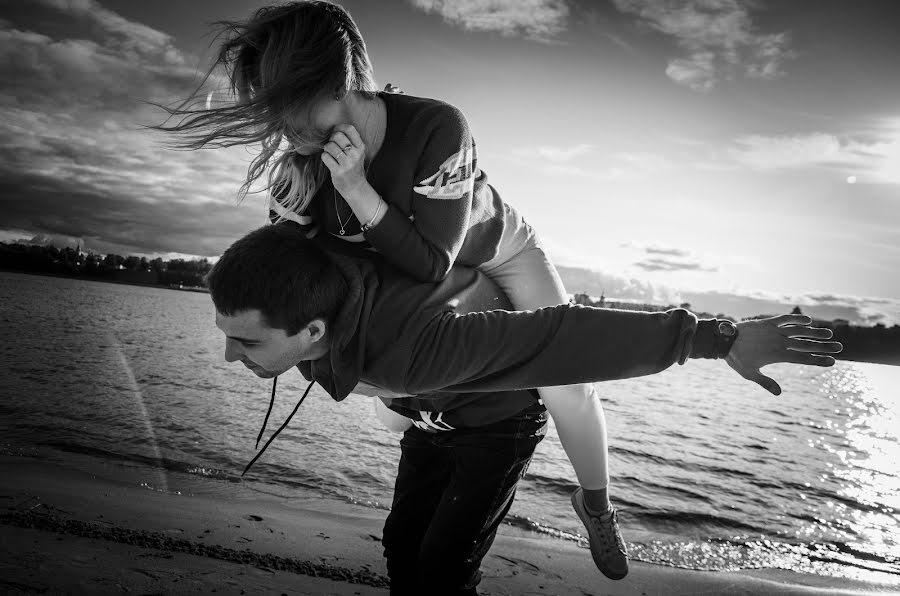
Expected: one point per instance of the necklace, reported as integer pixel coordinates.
(341, 224)
(337, 212)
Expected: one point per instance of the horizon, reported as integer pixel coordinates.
(763, 307)
(725, 153)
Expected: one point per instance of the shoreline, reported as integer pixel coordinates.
(104, 526)
(195, 289)
(887, 360)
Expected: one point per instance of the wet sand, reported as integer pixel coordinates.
(97, 530)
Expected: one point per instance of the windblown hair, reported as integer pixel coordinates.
(280, 61)
(278, 271)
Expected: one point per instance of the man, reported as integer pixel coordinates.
(343, 319)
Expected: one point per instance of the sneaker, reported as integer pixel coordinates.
(607, 546)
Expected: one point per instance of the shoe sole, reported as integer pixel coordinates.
(587, 523)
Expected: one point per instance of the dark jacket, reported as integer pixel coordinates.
(440, 209)
(451, 342)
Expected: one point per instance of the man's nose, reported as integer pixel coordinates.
(232, 351)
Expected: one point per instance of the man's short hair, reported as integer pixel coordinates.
(275, 269)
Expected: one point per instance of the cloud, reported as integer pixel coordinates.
(671, 252)
(50, 240)
(697, 72)
(864, 309)
(117, 222)
(127, 37)
(655, 258)
(763, 152)
(858, 310)
(551, 159)
(109, 58)
(562, 154)
(718, 36)
(585, 160)
(74, 158)
(665, 264)
(873, 154)
(615, 286)
(539, 20)
(655, 249)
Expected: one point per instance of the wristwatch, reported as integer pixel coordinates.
(726, 333)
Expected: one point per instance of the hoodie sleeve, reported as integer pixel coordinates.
(502, 350)
(425, 247)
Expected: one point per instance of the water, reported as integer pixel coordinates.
(709, 471)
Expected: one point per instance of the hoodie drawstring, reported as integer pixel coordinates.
(269, 411)
(283, 426)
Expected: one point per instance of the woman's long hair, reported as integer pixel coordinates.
(278, 62)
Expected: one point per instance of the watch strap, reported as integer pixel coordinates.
(709, 341)
(726, 333)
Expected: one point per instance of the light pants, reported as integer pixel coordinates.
(524, 272)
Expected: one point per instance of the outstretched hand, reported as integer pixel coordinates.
(786, 338)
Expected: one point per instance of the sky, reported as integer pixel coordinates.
(738, 155)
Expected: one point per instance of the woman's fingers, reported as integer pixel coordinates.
(342, 141)
(350, 133)
(334, 150)
(330, 162)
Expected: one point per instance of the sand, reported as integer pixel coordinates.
(96, 530)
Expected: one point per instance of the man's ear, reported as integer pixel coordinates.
(317, 329)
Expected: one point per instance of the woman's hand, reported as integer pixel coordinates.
(344, 155)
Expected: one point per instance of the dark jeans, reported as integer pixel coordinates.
(453, 489)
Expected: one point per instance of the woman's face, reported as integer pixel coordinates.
(307, 132)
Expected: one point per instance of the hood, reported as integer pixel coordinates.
(338, 372)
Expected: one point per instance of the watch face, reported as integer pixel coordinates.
(727, 328)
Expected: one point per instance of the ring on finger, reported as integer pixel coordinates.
(348, 147)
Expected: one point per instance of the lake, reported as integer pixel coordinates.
(708, 470)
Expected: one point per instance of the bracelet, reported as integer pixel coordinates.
(368, 226)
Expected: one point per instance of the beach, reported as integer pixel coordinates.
(100, 529)
(124, 434)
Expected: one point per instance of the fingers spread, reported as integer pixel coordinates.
(808, 345)
(765, 382)
(812, 359)
(804, 331)
(791, 320)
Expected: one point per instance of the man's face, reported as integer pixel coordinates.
(266, 351)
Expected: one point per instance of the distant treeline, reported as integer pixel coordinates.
(72, 262)
(879, 343)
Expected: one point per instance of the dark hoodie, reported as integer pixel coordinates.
(456, 347)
